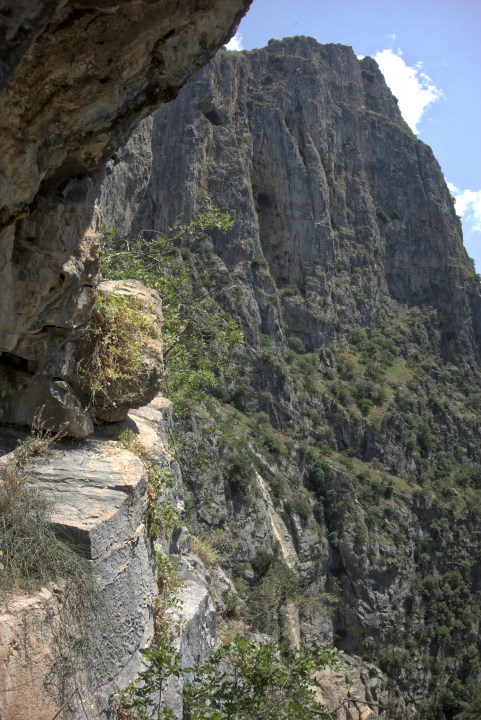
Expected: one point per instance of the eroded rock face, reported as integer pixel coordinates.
(84, 77)
(76, 78)
(356, 679)
(342, 220)
(99, 496)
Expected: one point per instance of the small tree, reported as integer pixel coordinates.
(250, 680)
(242, 680)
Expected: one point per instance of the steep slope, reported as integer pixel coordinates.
(356, 394)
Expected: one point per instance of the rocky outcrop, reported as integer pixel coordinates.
(99, 495)
(80, 78)
(98, 491)
(76, 78)
(355, 679)
(129, 383)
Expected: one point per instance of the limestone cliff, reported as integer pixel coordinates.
(308, 148)
(350, 434)
(68, 655)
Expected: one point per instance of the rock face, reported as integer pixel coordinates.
(99, 496)
(358, 387)
(357, 680)
(307, 147)
(76, 78)
(141, 313)
(83, 76)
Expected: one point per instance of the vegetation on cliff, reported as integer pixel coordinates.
(339, 460)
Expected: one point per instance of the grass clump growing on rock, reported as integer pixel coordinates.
(32, 554)
(114, 341)
(163, 517)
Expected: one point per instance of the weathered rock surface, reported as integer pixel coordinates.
(355, 679)
(198, 635)
(99, 495)
(342, 221)
(84, 77)
(28, 634)
(76, 78)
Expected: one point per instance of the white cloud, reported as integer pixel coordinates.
(413, 88)
(468, 206)
(235, 43)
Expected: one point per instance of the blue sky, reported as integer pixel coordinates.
(430, 54)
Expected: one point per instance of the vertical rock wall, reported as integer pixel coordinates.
(306, 147)
(52, 652)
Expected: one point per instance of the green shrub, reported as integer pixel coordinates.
(265, 400)
(198, 336)
(315, 478)
(299, 506)
(296, 344)
(239, 469)
(112, 345)
(382, 215)
(259, 261)
(258, 680)
(290, 291)
(262, 562)
(203, 547)
(244, 396)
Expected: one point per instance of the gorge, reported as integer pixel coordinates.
(329, 472)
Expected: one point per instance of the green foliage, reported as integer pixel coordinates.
(290, 291)
(239, 470)
(259, 261)
(163, 516)
(382, 215)
(278, 585)
(296, 344)
(113, 343)
(198, 337)
(375, 348)
(32, 554)
(144, 699)
(315, 477)
(299, 506)
(472, 710)
(244, 396)
(241, 680)
(203, 547)
(247, 680)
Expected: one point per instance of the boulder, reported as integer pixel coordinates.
(135, 379)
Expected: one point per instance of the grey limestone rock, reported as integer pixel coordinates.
(347, 210)
(98, 492)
